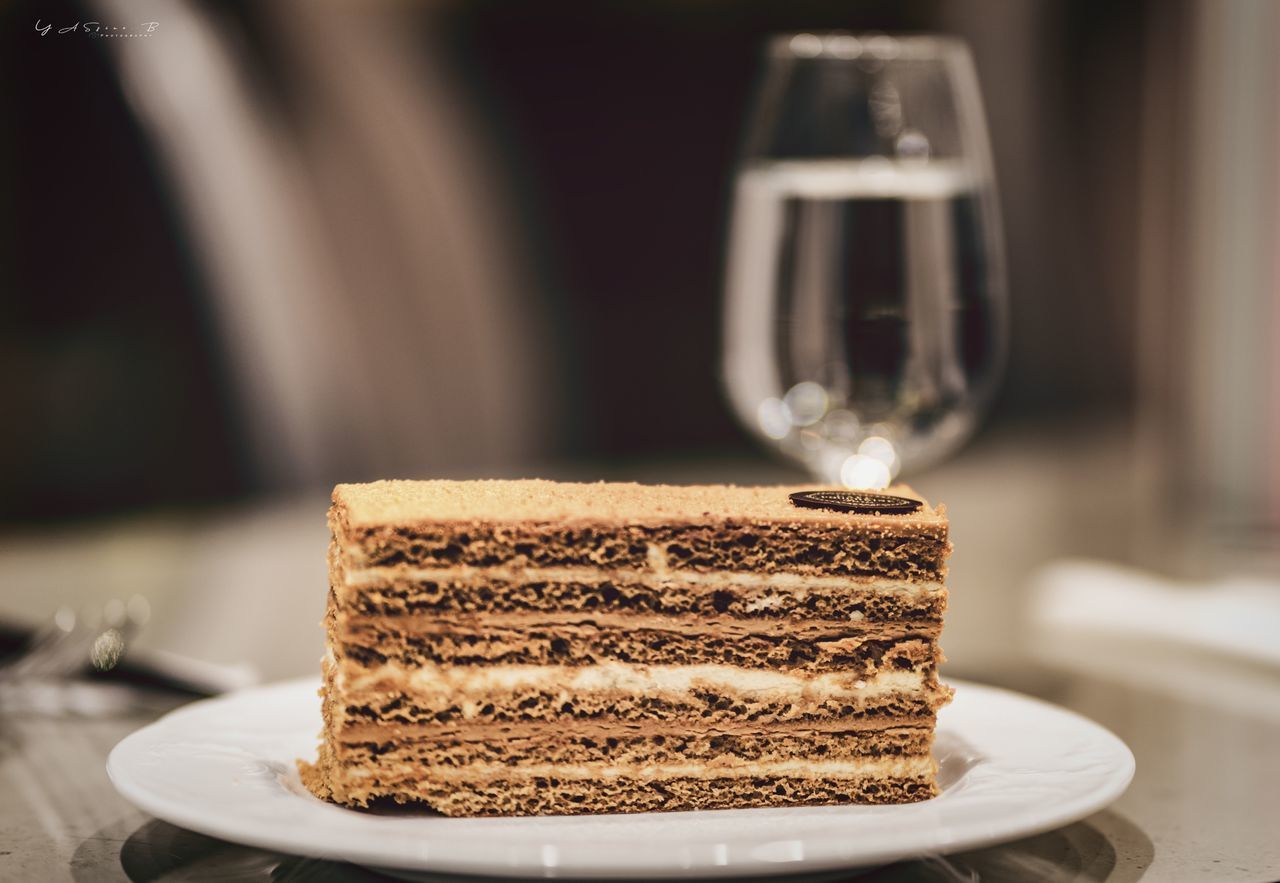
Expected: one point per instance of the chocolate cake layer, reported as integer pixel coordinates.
(874, 550)
(548, 795)
(703, 703)
(390, 774)
(531, 647)
(706, 707)
(551, 796)
(391, 591)
(817, 648)
(392, 744)
(350, 729)
(810, 629)
(661, 528)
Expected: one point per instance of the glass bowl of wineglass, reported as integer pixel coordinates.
(864, 304)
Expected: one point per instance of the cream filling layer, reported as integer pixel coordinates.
(366, 576)
(618, 677)
(872, 767)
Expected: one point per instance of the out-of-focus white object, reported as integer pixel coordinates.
(1237, 617)
(197, 674)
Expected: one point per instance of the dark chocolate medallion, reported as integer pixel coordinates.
(855, 501)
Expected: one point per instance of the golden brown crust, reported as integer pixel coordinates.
(405, 503)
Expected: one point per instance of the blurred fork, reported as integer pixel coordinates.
(47, 677)
(70, 645)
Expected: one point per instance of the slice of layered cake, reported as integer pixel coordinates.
(529, 647)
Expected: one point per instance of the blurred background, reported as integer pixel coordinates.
(267, 247)
(275, 246)
(251, 249)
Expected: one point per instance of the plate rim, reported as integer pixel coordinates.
(182, 814)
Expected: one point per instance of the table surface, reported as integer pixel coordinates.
(1205, 729)
(1202, 805)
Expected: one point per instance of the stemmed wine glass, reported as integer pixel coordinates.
(865, 306)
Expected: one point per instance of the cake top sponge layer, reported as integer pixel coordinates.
(386, 503)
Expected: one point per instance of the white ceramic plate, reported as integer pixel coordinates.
(1010, 766)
